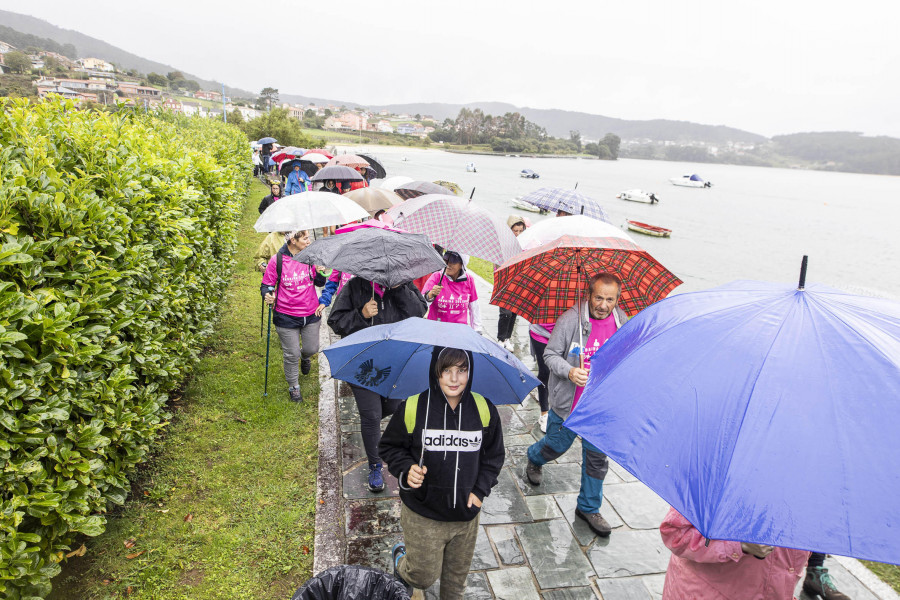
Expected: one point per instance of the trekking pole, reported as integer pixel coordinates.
(268, 340)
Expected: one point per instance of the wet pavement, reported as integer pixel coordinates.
(530, 544)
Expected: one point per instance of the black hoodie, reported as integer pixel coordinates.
(395, 305)
(452, 474)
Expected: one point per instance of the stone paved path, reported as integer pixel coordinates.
(530, 545)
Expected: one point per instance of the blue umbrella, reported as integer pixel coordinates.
(267, 140)
(393, 360)
(762, 412)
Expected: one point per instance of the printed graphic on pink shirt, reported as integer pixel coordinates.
(452, 304)
(601, 331)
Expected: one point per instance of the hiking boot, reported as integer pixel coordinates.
(294, 394)
(819, 583)
(597, 523)
(534, 473)
(376, 481)
(397, 551)
(305, 365)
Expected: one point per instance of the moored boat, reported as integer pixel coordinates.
(691, 180)
(638, 196)
(529, 174)
(470, 168)
(523, 205)
(647, 229)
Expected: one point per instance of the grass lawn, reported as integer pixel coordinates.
(482, 268)
(226, 508)
(890, 574)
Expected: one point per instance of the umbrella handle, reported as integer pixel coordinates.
(442, 276)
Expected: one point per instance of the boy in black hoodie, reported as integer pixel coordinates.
(445, 447)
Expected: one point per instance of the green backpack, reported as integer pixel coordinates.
(412, 403)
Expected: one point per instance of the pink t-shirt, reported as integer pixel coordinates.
(340, 278)
(601, 331)
(452, 304)
(297, 296)
(548, 326)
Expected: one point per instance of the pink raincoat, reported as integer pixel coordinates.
(721, 571)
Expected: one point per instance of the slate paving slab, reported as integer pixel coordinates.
(513, 584)
(512, 424)
(365, 517)
(504, 539)
(631, 588)
(554, 554)
(627, 553)
(505, 504)
(638, 505)
(355, 484)
(621, 472)
(352, 449)
(521, 439)
(583, 533)
(372, 551)
(655, 584)
(578, 593)
(477, 588)
(558, 479)
(484, 557)
(844, 580)
(543, 507)
(516, 457)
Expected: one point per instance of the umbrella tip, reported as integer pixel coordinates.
(803, 272)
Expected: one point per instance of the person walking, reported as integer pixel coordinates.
(297, 181)
(539, 335)
(273, 197)
(445, 447)
(452, 294)
(578, 334)
(702, 569)
(267, 249)
(289, 287)
(363, 303)
(506, 323)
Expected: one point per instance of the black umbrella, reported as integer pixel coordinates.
(307, 167)
(337, 173)
(386, 257)
(267, 140)
(375, 164)
(414, 189)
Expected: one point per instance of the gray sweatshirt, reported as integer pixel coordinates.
(560, 361)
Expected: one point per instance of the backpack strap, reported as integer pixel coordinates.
(483, 410)
(278, 258)
(409, 416)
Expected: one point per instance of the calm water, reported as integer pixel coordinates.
(754, 223)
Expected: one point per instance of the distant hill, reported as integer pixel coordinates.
(87, 46)
(842, 151)
(24, 40)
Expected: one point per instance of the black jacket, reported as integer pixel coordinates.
(396, 304)
(451, 474)
(266, 203)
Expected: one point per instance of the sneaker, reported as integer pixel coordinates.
(294, 394)
(376, 481)
(542, 422)
(508, 345)
(534, 473)
(305, 365)
(597, 523)
(397, 551)
(819, 583)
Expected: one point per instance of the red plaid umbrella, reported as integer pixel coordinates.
(457, 224)
(542, 283)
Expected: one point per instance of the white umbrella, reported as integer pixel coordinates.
(308, 210)
(548, 230)
(392, 183)
(314, 157)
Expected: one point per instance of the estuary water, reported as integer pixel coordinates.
(754, 223)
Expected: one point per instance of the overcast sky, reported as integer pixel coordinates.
(766, 66)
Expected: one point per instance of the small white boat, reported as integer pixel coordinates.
(638, 196)
(470, 168)
(690, 180)
(529, 174)
(648, 229)
(523, 205)
(404, 159)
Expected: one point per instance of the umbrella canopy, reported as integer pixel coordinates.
(392, 183)
(457, 191)
(457, 224)
(337, 173)
(349, 160)
(544, 232)
(324, 153)
(380, 255)
(393, 360)
(375, 164)
(542, 283)
(308, 210)
(287, 153)
(771, 415)
(570, 201)
(315, 157)
(267, 140)
(374, 199)
(414, 189)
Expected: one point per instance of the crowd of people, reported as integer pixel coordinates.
(442, 490)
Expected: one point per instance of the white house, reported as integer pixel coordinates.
(96, 64)
(384, 126)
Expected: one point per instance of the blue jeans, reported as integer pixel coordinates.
(594, 464)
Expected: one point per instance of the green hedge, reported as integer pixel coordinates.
(117, 233)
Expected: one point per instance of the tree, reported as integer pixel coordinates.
(269, 96)
(418, 117)
(612, 141)
(191, 85)
(157, 79)
(235, 117)
(575, 138)
(18, 62)
(278, 124)
(174, 75)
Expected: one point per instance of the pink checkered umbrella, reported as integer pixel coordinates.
(457, 224)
